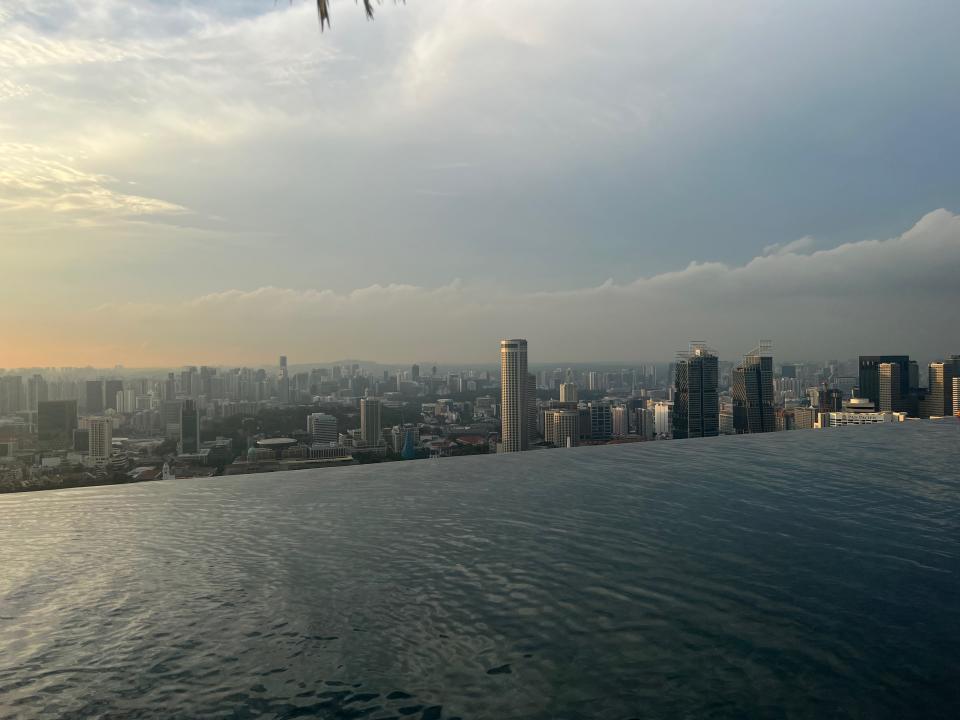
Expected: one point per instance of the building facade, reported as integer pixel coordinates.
(752, 390)
(839, 419)
(531, 407)
(513, 395)
(56, 421)
(621, 421)
(696, 403)
(101, 440)
(371, 426)
(869, 386)
(189, 428)
(93, 394)
(889, 396)
(563, 426)
(940, 393)
(322, 428)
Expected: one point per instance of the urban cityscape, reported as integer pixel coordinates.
(479, 360)
(72, 427)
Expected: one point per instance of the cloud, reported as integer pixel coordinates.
(34, 178)
(161, 151)
(831, 294)
(799, 246)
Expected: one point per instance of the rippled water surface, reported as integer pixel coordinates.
(811, 574)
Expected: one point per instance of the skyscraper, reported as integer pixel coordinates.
(531, 407)
(37, 392)
(889, 394)
(621, 421)
(940, 395)
(663, 418)
(94, 397)
(513, 395)
(371, 428)
(170, 418)
(101, 440)
(870, 375)
(110, 390)
(752, 391)
(562, 427)
(56, 421)
(601, 421)
(170, 387)
(568, 392)
(189, 428)
(12, 397)
(696, 404)
(415, 373)
(283, 384)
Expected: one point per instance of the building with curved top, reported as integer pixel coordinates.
(277, 445)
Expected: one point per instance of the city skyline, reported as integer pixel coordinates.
(259, 455)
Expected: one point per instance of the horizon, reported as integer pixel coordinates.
(425, 365)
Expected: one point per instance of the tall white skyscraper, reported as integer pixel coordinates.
(568, 392)
(101, 439)
(663, 418)
(513, 395)
(621, 421)
(940, 384)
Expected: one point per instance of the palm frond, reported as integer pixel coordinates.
(323, 10)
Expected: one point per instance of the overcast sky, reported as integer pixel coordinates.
(214, 181)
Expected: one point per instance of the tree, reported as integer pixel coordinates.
(323, 10)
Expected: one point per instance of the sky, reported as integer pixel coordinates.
(217, 182)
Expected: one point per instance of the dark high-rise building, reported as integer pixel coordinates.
(913, 381)
(870, 375)
(170, 387)
(94, 397)
(170, 418)
(81, 440)
(830, 399)
(696, 404)
(37, 392)
(530, 406)
(753, 410)
(601, 421)
(110, 390)
(189, 427)
(415, 373)
(12, 396)
(371, 425)
(585, 422)
(788, 371)
(56, 421)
